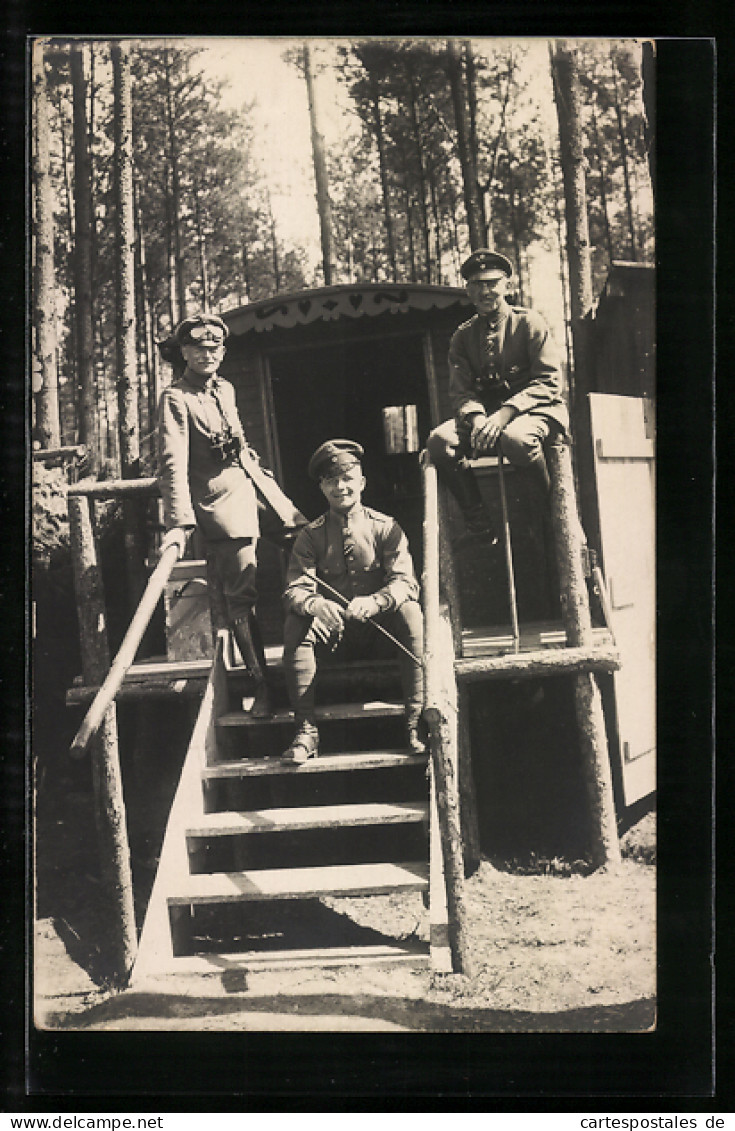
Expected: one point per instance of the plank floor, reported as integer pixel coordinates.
(298, 883)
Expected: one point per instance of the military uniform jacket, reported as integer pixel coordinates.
(195, 483)
(368, 554)
(522, 370)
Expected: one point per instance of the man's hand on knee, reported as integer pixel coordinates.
(328, 613)
(362, 608)
(486, 431)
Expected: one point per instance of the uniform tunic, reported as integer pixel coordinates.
(195, 483)
(362, 555)
(365, 555)
(513, 364)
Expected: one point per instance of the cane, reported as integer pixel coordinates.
(508, 554)
(345, 602)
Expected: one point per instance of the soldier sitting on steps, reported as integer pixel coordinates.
(363, 555)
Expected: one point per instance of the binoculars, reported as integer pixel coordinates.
(226, 445)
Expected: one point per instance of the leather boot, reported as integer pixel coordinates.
(415, 730)
(249, 641)
(461, 483)
(305, 744)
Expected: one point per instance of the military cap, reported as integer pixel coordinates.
(485, 260)
(334, 456)
(201, 328)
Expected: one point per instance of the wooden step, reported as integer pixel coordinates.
(309, 817)
(408, 952)
(325, 763)
(332, 712)
(301, 883)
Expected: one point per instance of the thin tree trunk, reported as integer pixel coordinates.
(414, 115)
(562, 268)
(173, 155)
(148, 335)
(514, 232)
(471, 188)
(89, 417)
(202, 250)
(648, 73)
(274, 248)
(324, 206)
(603, 193)
(624, 158)
(383, 164)
(571, 144)
(46, 380)
(125, 329)
(409, 226)
(437, 225)
(246, 269)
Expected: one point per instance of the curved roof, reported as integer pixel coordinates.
(330, 304)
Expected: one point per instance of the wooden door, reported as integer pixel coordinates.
(625, 481)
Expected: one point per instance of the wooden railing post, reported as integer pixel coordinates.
(578, 625)
(110, 807)
(440, 696)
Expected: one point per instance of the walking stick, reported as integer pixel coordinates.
(345, 602)
(508, 555)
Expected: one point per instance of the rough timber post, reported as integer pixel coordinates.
(467, 793)
(576, 616)
(110, 807)
(441, 708)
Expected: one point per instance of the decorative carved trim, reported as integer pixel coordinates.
(330, 304)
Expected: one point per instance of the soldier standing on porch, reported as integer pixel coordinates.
(203, 457)
(363, 557)
(505, 389)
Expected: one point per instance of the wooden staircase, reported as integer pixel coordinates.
(261, 858)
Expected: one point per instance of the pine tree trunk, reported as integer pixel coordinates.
(46, 382)
(571, 144)
(425, 233)
(274, 248)
(624, 159)
(202, 249)
(173, 156)
(603, 193)
(125, 328)
(324, 206)
(89, 415)
(571, 147)
(383, 164)
(472, 195)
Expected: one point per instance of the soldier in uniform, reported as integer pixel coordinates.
(203, 482)
(363, 555)
(504, 386)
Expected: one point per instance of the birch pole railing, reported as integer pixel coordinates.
(440, 699)
(578, 625)
(99, 729)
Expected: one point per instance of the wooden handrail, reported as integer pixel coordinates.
(440, 713)
(107, 488)
(127, 650)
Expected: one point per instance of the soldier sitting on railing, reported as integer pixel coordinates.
(505, 389)
(349, 567)
(203, 480)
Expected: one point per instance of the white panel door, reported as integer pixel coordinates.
(625, 474)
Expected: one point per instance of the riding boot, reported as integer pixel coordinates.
(461, 483)
(248, 639)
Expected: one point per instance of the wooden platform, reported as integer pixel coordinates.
(298, 883)
(308, 817)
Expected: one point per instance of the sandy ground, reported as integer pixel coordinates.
(551, 952)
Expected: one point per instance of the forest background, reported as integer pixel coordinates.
(175, 174)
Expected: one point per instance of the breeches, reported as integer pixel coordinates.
(521, 442)
(236, 564)
(303, 653)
